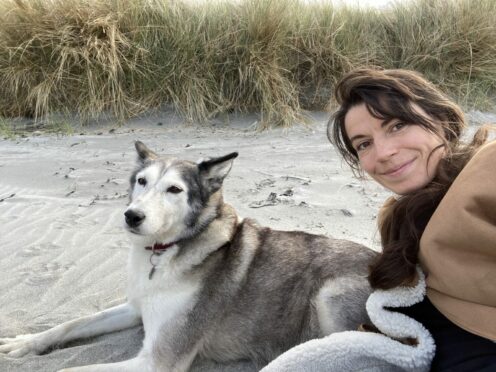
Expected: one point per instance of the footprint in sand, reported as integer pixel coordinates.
(37, 250)
(31, 251)
(44, 273)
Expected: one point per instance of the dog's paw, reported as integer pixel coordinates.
(21, 345)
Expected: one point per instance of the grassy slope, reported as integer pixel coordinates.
(275, 56)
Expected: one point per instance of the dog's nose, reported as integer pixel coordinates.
(134, 218)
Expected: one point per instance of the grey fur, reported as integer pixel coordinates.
(261, 292)
(144, 153)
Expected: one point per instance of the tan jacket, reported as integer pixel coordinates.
(458, 248)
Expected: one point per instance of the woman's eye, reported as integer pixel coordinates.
(142, 181)
(362, 145)
(397, 126)
(174, 190)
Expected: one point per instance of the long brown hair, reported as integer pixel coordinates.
(391, 94)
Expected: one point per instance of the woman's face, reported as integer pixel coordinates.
(397, 155)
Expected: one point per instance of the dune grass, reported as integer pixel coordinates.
(276, 57)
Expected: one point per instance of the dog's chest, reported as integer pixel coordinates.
(164, 309)
(150, 273)
(161, 299)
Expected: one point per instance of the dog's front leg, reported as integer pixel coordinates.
(168, 362)
(113, 319)
(175, 346)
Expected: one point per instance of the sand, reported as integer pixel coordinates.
(63, 249)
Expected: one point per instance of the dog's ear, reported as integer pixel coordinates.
(214, 170)
(144, 153)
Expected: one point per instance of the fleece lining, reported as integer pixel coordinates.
(366, 351)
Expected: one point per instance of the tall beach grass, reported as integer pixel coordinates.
(276, 57)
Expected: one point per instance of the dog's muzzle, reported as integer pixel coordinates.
(134, 218)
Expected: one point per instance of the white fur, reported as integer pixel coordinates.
(326, 323)
(113, 319)
(162, 299)
(165, 211)
(151, 174)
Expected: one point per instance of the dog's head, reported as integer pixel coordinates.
(173, 199)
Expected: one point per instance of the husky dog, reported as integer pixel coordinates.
(205, 282)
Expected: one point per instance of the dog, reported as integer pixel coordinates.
(203, 281)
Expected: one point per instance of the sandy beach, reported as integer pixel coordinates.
(63, 249)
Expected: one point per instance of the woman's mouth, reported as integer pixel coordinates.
(396, 171)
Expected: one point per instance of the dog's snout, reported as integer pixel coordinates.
(134, 218)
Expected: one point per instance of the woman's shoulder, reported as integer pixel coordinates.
(488, 148)
(471, 195)
(473, 190)
(481, 167)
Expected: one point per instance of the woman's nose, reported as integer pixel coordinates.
(385, 148)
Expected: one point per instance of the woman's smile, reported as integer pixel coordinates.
(400, 170)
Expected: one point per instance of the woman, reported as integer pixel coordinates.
(404, 133)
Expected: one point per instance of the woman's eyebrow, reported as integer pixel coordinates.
(387, 122)
(358, 136)
(383, 124)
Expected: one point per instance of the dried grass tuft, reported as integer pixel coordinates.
(279, 57)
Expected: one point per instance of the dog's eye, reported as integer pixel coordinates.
(174, 190)
(142, 181)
